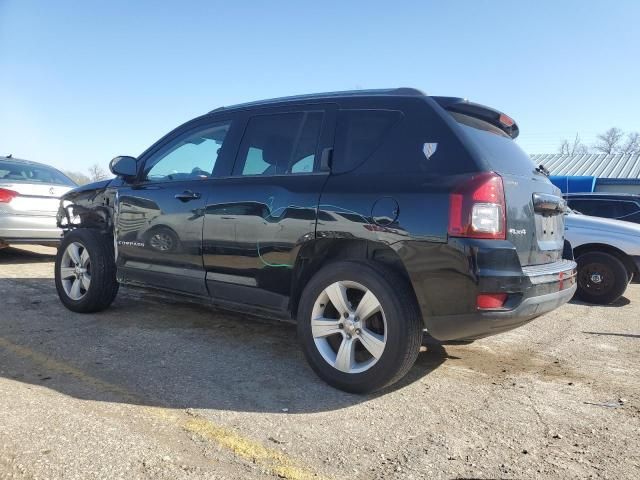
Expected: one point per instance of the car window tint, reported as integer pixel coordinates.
(192, 156)
(280, 143)
(31, 173)
(624, 208)
(604, 207)
(586, 207)
(358, 134)
(502, 153)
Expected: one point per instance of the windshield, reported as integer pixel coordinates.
(502, 153)
(31, 173)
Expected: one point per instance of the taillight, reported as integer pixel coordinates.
(7, 195)
(477, 208)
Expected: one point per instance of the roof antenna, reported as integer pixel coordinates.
(9, 156)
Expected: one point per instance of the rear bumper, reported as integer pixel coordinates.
(486, 323)
(28, 228)
(448, 278)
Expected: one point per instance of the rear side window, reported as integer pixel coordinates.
(278, 144)
(358, 134)
(502, 154)
(30, 173)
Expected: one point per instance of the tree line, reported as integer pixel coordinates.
(95, 173)
(613, 140)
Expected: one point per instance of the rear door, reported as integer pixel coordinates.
(159, 220)
(257, 219)
(535, 219)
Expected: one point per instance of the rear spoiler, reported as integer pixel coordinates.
(489, 115)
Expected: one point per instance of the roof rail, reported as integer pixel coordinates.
(402, 91)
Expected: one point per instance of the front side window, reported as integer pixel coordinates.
(193, 156)
(278, 144)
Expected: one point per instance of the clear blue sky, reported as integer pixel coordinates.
(83, 81)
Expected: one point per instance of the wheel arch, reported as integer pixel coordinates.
(627, 261)
(318, 253)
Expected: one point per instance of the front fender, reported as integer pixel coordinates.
(88, 206)
(629, 244)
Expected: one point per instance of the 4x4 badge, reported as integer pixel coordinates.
(429, 149)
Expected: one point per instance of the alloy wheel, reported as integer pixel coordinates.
(75, 271)
(349, 327)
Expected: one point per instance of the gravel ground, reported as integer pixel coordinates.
(156, 388)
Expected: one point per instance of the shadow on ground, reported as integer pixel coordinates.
(610, 334)
(621, 302)
(12, 256)
(155, 350)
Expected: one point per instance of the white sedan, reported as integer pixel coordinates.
(608, 255)
(29, 199)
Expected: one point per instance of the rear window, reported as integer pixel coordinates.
(29, 173)
(496, 148)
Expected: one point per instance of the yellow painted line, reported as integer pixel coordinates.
(252, 451)
(53, 365)
(275, 461)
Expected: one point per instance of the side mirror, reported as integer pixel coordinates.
(123, 166)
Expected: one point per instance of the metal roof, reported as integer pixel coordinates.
(601, 165)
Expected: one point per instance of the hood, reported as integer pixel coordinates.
(608, 225)
(88, 187)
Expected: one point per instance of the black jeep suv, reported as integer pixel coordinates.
(367, 216)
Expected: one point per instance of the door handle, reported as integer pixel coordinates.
(187, 195)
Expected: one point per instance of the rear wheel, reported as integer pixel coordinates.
(85, 271)
(602, 278)
(359, 326)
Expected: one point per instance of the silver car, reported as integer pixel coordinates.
(608, 255)
(29, 198)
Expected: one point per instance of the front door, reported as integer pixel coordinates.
(159, 219)
(257, 220)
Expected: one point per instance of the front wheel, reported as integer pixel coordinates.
(85, 271)
(602, 278)
(359, 326)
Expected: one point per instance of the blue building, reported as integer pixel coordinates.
(599, 172)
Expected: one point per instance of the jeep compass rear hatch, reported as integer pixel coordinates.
(533, 219)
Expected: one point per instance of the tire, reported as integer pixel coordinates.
(75, 292)
(396, 326)
(602, 278)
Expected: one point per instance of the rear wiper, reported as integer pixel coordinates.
(541, 169)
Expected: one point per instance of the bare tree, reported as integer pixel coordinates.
(79, 178)
(632, 145)
(573, 148)
(97, 173)
(609, 141)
